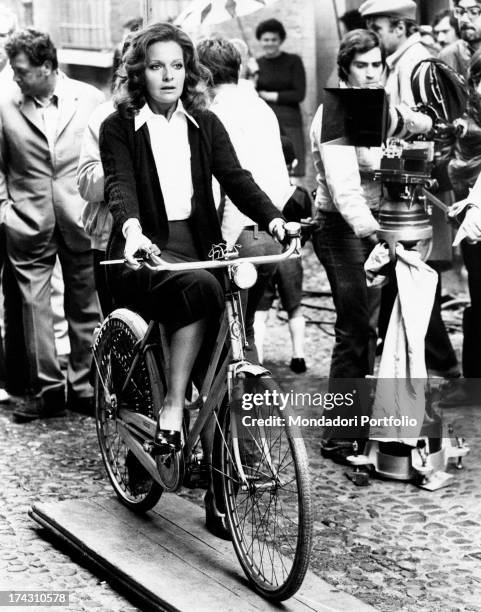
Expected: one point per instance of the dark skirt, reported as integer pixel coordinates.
(175, 299)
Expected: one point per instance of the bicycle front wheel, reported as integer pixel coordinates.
(114, 350)
(265, 485)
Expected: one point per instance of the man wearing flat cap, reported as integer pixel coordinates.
(394, 21)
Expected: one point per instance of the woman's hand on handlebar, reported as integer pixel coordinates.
(136, 241)
(277, 229)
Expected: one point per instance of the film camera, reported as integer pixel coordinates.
(360, 117)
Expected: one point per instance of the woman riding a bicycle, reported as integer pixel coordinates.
(160, 150)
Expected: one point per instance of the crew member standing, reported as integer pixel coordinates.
(41, 126)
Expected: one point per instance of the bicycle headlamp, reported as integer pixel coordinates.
(244, 275)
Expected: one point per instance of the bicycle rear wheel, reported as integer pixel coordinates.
(114, 350)
(263, 474)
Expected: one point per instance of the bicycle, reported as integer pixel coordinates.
(260, 472)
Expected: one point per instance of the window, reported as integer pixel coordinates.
(85, 24)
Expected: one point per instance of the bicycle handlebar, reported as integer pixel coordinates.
(293, 232)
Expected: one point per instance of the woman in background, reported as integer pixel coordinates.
(282, 84)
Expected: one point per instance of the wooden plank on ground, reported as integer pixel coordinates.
(168, 560)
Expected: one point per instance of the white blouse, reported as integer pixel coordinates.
(170, 146)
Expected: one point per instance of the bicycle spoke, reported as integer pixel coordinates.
(271, 534)
(231, 478)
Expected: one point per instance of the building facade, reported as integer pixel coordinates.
(86, 33)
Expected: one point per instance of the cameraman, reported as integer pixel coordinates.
(347, 205)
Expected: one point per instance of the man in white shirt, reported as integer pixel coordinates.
(254, 132)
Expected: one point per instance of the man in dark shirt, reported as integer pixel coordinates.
(282, 84)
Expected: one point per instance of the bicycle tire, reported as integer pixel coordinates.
(114, 348)
(270, 521)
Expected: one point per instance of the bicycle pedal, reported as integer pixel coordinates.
(165, 460)
(197, 476)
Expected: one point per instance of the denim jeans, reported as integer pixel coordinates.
(343, 255)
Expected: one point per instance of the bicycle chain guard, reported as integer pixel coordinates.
(171, 470)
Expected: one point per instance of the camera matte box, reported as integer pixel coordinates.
(354, 117)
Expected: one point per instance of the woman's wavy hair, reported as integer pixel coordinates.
(474, 100)
(131, 93)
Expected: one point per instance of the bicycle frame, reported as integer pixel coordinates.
(214, 388)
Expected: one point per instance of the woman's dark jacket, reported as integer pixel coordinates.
(132, 188)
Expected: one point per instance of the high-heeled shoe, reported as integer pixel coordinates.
(215, 522)
(166, 441)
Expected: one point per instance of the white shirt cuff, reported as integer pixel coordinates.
(131, 223)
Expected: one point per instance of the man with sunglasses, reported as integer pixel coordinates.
(458, 54)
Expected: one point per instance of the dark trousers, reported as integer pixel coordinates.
(16, 363)
(13, 356)
(33, 272)
(343, 255)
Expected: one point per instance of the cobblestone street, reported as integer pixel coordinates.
(391, 544)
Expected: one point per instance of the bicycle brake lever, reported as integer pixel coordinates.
(152, 262)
